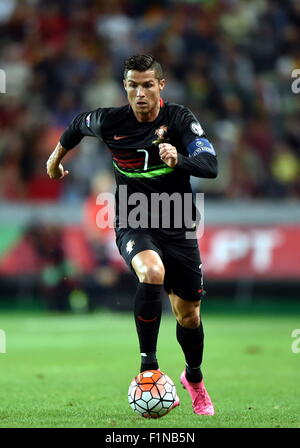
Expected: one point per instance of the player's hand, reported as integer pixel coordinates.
(168, 154)
(56, 172)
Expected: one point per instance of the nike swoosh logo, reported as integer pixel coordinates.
(147, 320)
(119, 137)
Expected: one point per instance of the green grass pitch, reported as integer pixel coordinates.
(74, 371)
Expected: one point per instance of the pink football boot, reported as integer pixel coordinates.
(201, 401)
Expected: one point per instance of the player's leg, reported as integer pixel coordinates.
(150, 271)
(191, 337)
(143, 255)
(184, 284)
(189, 334)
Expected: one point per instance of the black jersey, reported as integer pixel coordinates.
(134, 147)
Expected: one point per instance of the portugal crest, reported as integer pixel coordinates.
(161, 134)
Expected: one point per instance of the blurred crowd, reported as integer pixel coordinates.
(230, 61)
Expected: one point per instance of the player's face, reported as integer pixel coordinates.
(143, 92)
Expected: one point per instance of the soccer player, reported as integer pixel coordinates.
(156, 146)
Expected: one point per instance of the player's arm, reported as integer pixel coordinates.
(204, 164)
(55, 170)
(202, 160)
(85, 124)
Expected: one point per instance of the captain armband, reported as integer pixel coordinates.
(200, 145)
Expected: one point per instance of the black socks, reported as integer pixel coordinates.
(147, 314)
(191, 341)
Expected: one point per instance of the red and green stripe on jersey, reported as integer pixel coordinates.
(154, 171)
(140, 163)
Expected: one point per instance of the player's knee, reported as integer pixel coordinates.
(189, 320)
(153, 273)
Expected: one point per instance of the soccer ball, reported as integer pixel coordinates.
(152, 394)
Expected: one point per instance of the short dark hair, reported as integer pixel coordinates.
(141, 63)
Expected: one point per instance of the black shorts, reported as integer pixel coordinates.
(180, 257)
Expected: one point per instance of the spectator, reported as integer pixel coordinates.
(231, 61)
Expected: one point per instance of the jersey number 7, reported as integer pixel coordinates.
(146, 157)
